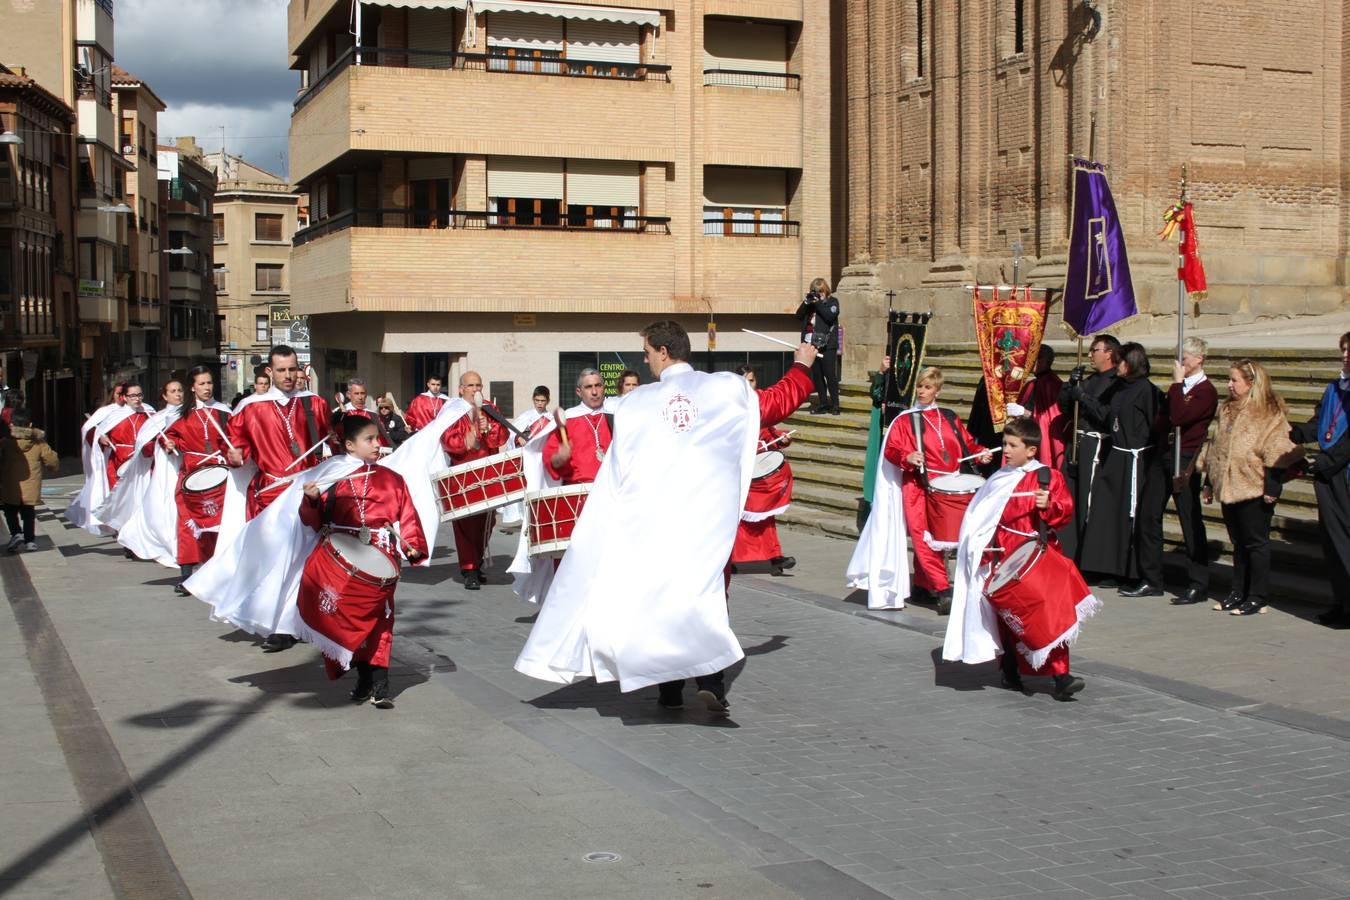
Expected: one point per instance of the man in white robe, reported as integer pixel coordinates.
(640, 597)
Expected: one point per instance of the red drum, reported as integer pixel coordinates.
(204, 493)
(482, 485)
(553, 514)
(770, 487)
(1036, 591)
(948, 497)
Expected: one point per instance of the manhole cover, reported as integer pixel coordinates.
(602, 856)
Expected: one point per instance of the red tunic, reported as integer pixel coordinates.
(123, 438)
(264, 430)
(471, 532)
(199, 444)
(756, 541)
(355, 614)
(1041, 397)
(586, 434)
(422, 409)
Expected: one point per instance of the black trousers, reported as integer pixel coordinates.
(16, 511)
(1248, 524)
(1333, 520)
(825, 375)
(1190, 514)
(673, 690)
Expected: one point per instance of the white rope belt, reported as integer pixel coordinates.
(1092, 471)
(1134, 474)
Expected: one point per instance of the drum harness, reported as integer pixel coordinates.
(1042, 532)
(917, 419)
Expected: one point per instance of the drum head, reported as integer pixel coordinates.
(368, 559)
(1013, 566)
(956, 484)
(767, 463)
(205, 478)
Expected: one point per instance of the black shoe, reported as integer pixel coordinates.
(1229, 603)
(472, 580)
(365, 687)
(128, 554)
(1191, 595)
(1250, 608)
(670, 699)
(717, 706)
(944, 603)
(780, 564)
(1066, 686)
(181, 591)
(819, 410)
(921, 595)
(275, 643)
(1013, 682)
(833, 410)
(379, 696)
(1142, 589)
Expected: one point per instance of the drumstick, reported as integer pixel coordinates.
(305, 454)
(768, 444)
(981, 453)
(767, 338)
(287, 480)
(223, 436)
(561, 418)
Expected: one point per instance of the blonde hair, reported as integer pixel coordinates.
(932, 374)
(1261, 399)
(820, 286)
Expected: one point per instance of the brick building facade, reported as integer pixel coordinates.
(960, 117)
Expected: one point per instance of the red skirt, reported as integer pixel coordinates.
(1043, 608)
(769, 496)
(345, 611)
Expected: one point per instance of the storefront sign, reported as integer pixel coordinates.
(290, 329)
(89, 288)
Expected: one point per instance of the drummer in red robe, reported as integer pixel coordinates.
(589, 432)
(1040, 398)
(120, 440)
(473, 437)
(426, 405)
(276, 428)
(757, 534)
(350, 617)
(199, 437)
(945, 442)
(357, 392)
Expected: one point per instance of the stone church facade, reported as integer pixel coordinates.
(960, 118)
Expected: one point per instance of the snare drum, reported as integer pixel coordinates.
(362, 562)
(948, 497)
(770, 491)
(554, 513)
(482, 485)
(767, 463)
(203, 492)
(1035, 591)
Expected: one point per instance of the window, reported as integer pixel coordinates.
(219, 273)
(267, 276)
(524, 191)
(918, 37)
(218, 227)
(744, 201)
(260, 334)
(1019, 26)
(267, 227)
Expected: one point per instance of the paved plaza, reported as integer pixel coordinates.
(1207, 758)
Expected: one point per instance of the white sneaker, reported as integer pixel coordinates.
(30, 546)
(15, 541)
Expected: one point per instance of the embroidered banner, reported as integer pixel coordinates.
(1009, 330)
(1098, 291)
(906, 334)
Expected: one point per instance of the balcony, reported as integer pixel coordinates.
(748, 126)
(475, 220)
(753, 269)
(32, 324)
(481, 111)
(749, 228)
(344, 267)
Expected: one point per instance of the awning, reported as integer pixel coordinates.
(560, 10)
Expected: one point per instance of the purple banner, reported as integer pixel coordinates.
(1098, 292)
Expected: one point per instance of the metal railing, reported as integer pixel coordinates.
(744, 78)
(491, 61)
(455, 219)
(722, 227)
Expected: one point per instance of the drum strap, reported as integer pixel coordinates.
(311, 429)
(330, 505)
(1043, 480)
(950, 416)
(609, 421)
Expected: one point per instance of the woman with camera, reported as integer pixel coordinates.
(819, 315)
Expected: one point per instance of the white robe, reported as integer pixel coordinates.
(420, 457)
(142, 507)
(640, 596)
(531, 578)
(94, 493)
(512, 515)
(880, 564)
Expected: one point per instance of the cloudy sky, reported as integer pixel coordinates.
(214, 63)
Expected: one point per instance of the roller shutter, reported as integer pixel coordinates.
(524, 31)
(524, 176)
(612, 42)
(602, 183)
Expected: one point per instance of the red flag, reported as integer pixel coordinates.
(1190, 270)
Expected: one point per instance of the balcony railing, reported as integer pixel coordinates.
(491, 61)
(720, 227)
(440, 219)
(742, 78)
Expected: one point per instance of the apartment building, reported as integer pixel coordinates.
(39, 329)
(255, 216)
(187, 188)
(136, 108)
(67, 47)
(517, 187)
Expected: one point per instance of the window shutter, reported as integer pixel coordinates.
(747, 47)
(524, 31)
(601, 182)
(612, 42)
(744, 187)
(431, 29)
(524, 176)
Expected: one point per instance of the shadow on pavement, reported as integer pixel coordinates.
(960, 676)
(634, 708)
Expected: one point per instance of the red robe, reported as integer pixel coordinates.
(1016, 526)
(260, 430)
(941, 450)
(422, 409)
(1040, 397)
(472, 532)
(361, 616)
(583, 432)
(123, 438)
(756, 541)
(199, 444)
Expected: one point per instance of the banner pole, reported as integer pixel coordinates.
(1181, 323)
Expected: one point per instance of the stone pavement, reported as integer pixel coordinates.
(855, 765)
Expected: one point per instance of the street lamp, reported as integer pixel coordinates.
(120, 209)
(11, 138)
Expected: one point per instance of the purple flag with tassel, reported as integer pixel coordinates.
(1098, 292)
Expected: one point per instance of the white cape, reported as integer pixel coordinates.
(420, 457)
(639, 596)
(880, 564)
(531, 578)
(94, 493)
(972, 627)
(512, 515)
(142, 507)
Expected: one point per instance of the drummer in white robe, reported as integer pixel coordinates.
(671, 488)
